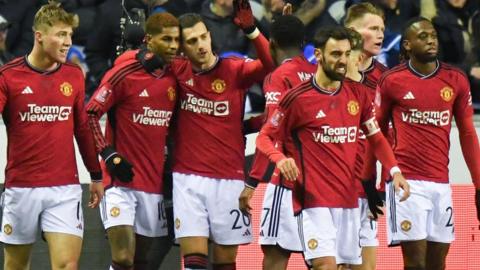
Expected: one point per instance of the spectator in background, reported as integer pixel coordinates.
(5, 56)
(20, 14)
(455, 27)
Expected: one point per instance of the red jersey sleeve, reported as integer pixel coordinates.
(274, 86)
(462, 107)
(383, 106)
(252, 71)
(3, 93)
(84, 137)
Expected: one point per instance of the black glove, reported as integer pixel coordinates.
(375, 203)
(477, 203)
(117, 166)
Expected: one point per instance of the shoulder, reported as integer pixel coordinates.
(71, 67)
(11, 65)
(121, 71)
(393, 73)
(379, 66)
(454, 71)
(295, 93)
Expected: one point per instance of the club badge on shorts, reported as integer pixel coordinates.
(406, 225)
(312, 244)
(7, 229)
(177, 223)
(114, 211)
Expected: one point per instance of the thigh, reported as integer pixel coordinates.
(64, 249)
(150, 215)
(21, 208)
(228, 225)
(407, 220)
(347, 222)
(440, 221)
(65, 214)
(117, 207)
(278, 224)
(189, 207)
(122, 241)
(318, 234)
(17, 256)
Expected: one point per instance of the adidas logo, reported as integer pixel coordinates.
(189, 82)
(144, 93)
(320, 114)
(409, 95)
(27, 90)
(247, 233)
(261, 233)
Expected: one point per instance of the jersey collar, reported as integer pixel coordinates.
(423, 76)
(324, 91)
(44, 72)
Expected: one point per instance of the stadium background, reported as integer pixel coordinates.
(464, 253)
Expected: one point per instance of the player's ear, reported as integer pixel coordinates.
(406, 44)
(318, 55)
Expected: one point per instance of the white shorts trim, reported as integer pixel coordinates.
(278, 225)
(25, 208)
(331, 232)
(144, 211)
(426, 214)
(209, 207)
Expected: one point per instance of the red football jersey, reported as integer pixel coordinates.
(208, 134)
(43, 112)
(320, 131)
(289, 74)
(371, 76)
(139, 105)
(421, 109)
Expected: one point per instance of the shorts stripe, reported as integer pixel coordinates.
(300, 230)
(275, 216)
(104, 208)
(78, 211)
(393, 216)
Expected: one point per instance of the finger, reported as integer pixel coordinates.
(406, 192)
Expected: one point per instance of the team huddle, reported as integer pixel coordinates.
(324, 127)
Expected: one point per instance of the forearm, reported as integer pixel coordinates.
(470, 148)
(382, 151)
(266, 145)
(100, 141)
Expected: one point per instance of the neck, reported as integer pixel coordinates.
(366, 62)
(282, 55)
(204, 66)
(40, 61)
(423, 68)
(354, 74)
(218, 10)
(325, 82)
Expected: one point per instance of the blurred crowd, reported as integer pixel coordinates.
(108, 27)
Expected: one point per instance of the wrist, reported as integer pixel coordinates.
(251, 182)
(394, 170)
(96, 177)
(252, 32)
(107, 153)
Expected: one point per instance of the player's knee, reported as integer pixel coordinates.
(123, 258)
(66, 264)
(325, 263)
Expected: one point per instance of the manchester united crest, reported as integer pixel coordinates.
(446, 93)
(7, 229)
(218, 86)
(353, 107)
(312, 244)
(114, 211)
(171, 93)
(406, 225)
(66, 89)
(177, 223)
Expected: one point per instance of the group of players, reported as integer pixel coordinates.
(322, 133)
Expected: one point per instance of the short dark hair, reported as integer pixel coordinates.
(288, 31)
(188, 20)
(325, 33)
(156, 22)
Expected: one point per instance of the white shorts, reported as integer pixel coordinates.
(331, 232)
(144, 211)
(368, 226)
(278, 224)
(208, 207)
(58, 209)
(426, 214)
